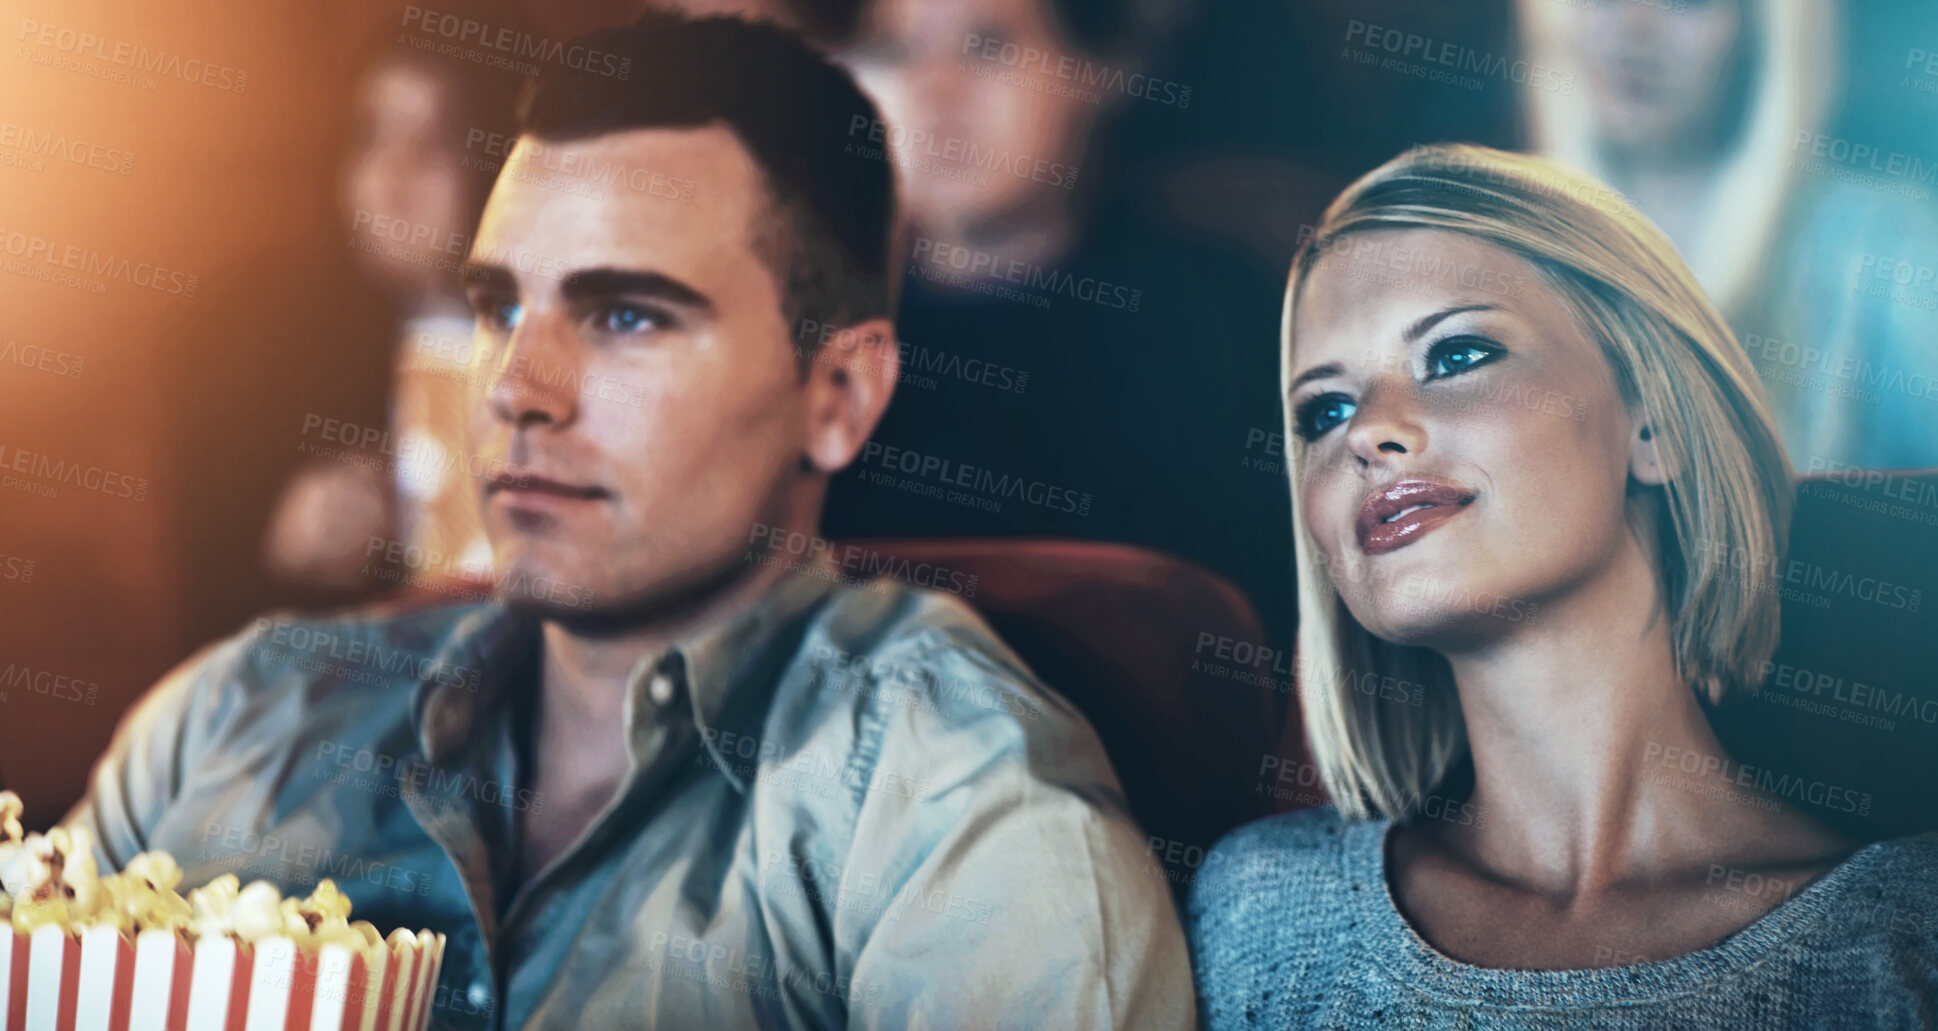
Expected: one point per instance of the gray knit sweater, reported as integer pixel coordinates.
(1292, 926)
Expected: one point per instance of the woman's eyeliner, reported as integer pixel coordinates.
(1316, 416)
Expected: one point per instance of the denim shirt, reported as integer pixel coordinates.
(848, 807)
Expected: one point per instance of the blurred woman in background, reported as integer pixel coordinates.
(1529, 458)
(1714, 116)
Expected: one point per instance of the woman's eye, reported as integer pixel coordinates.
(1315, 417)
(627, 318)
(1453, 357)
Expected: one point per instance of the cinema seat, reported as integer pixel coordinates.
(1849, 708)
(1167, 660)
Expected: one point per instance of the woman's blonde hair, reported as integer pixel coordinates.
(1720, 519)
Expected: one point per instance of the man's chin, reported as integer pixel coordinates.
(618, 609)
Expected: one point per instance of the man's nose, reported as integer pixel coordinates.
(533, 381)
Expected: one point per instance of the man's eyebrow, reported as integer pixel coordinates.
(486, 275)
(1420, 328)
(590, 283)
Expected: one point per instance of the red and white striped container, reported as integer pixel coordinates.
(100, 981)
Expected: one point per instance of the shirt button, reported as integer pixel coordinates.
(479, 994)
(662, 690)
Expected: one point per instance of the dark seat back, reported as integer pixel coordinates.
(1845, 725)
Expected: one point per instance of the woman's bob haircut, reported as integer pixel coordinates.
(1719, 521)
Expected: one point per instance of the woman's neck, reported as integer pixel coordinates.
(1568, 723)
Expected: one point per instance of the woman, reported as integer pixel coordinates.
(1716, 117)
(1527, 450)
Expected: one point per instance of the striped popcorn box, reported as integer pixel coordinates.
(100, 980)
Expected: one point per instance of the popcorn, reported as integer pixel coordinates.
(78, 942)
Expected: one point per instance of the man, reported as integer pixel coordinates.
(666, 780)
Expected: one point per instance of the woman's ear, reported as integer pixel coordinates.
(1648, 460)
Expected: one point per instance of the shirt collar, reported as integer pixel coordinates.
(724, 669)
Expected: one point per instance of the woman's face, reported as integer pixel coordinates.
(1466, 449)
(1657, 76)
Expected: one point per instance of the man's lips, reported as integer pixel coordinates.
(525, 486)
(1405, 512)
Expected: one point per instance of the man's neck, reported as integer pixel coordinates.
(577, 754)
(583, 673)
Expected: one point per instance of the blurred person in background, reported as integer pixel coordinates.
(1053, 332)
(1715, 118)
(413, 182)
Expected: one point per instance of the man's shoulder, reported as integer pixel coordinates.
(885, 642)
(286, 667)
(373, 647)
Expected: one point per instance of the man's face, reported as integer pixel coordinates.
(641, 403)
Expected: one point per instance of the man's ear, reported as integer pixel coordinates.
(850, 379)
(1649, 460)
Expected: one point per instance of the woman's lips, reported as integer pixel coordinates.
(1405, 512)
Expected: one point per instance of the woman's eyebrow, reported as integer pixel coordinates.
(1425, 323)
(1316, 372)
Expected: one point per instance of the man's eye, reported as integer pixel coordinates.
(628, 318)
(499, 315)
(1320, 414)
(1453, 357)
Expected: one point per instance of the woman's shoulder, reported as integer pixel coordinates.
(1281, 871)
(1272, 911)
(1891, 893)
